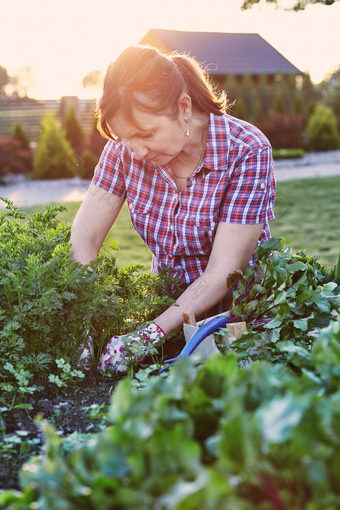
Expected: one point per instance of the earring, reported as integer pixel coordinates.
(188, 130)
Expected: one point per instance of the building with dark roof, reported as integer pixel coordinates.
(223, 54)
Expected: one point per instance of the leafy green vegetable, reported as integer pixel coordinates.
(49, 303)
(284, 299)
(206, 436)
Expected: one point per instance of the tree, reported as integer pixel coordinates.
(265, 93)
(330, 93)
(19, 134)
(322, 131)
(22, 80)
(298, 5)
(4, 79)
(259, 114)
(232, 88)
(279, 104)
(309, 95)
(240, 110)
(87, 164)
(247, 93)
(97, 142)
(54, 157)
(73, 130)
(91, 80)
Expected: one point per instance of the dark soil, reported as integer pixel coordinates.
(63, 408)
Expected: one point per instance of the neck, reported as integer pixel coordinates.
(193, 151)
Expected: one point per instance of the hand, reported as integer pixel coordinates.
(122, 351)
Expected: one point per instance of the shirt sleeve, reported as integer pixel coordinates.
(250, 194)
(109, 172)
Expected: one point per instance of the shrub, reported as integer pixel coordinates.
(239, 109)
(54, 157)
(97, 141)
(322, 131)
(19, 134)
(73, 130)
(13, 158)
(87, 164)
(284, 130)
(48, 301)
(288, 153)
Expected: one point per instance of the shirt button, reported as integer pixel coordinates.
(262, 185)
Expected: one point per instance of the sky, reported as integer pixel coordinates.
(63, 40)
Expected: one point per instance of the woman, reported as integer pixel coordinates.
(199, 183)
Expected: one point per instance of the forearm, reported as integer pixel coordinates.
(205, 292)
(232, 250)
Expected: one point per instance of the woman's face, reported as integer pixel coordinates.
(159, 139)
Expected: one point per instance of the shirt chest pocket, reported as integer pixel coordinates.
(197, 234)
(140, 213)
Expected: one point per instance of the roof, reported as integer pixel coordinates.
(223, 53)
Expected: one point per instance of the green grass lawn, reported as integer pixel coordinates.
(132, 250)
(306, 214)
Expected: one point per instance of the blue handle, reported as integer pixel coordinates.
(204, 331)
(209, 327)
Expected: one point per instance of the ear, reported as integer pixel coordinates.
(185, 106)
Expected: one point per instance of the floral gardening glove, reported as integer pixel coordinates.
(122, 351)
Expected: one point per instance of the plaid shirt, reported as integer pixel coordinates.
(234, 184)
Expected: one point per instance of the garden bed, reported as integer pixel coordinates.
(68, 410)
(235, 428)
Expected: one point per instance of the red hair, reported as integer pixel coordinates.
(145, 72)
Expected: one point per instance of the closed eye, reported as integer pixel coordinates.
(148, 136)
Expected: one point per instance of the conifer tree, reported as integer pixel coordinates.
(240, 110)
(290, 91)
(279, 105)
(308, 94)
(264, 94)
(259, 114)
(232, 88)
(19, 134)
(322, 131)
(73, 130)
(298, 103)
(247, 94)
(54, 157)
(96, 142)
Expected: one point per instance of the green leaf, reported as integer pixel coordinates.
(295, 349)
(23, 406)
(280, 298)
(296, 266)
(272, 245)
(274, 335)
(301, 324)
(275, 323)
(250, 306)
(279, 417)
